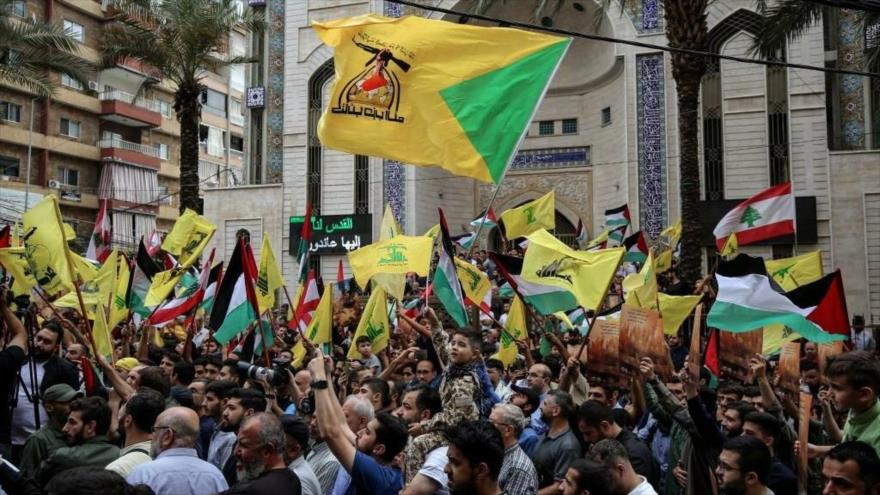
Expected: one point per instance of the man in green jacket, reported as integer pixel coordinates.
(86, 435)
(45, 441)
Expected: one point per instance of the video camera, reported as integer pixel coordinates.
(275, 376)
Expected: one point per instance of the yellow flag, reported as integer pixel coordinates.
(374, 324)
(101, 332)
(474, 282)
(84, 268)
(94, 291)
(318, 331)
(299, 353)
(393, 283)
(514, 329)
(534, 215)
(269, 278)
(775, 336)
(564, 319)
(672, 234)
(399, 95)
(674, 310)
(791, 273)
(46, 246)
(390, 227)
(433, 232)
(598, 241)
(641, 288)
(731, 247)
(162, 285)
(188, 238)
(119, 306)
(14, 261)
(400, 255)
(585, 275)
(664, 261)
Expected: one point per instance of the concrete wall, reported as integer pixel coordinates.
(255, 208)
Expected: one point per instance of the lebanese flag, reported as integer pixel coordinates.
(308, 303)
(99, 244)
(768, 214)
(154, 243)
(184, 303)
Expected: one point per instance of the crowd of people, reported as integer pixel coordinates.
(432, 413)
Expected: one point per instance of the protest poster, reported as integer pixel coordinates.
(641, 335)
(790, 368)
(826, 351)
(603, 364)
(806, 407)
(735, 350)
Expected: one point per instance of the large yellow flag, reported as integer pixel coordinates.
(119, 305)
(641, 288)
(94, 291)
(514, 329)
(188, 238)
(675, 309)
(101, 332)
(269, 278)
(318, 331)
(791, 273)
(162, 285)
(401, 255)
(46, 246)
(663, 262)
(14, 261)
(374, 324)
(474, 282)
(418, 91)
(85, 269)
(393, 283)
(585, 275)
(534, 215)
(672, 234)
(433, 232)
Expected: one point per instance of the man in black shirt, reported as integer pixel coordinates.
(259, 455)
(11, 359)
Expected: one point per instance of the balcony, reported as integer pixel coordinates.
(129, 110)
(140, 155)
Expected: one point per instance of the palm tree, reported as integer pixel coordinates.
(30, 50)
(686, 28)
(182, 40)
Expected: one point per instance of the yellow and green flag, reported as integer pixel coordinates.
(433, 232)
(585, 275)
(663, 262)
(641, 288)
(269, 278)
(514, 329)
(46, 246)
(118, 305)
(400, 255)
(374, 324)
(393, 283)
(674, 310)
(101, 332)
(14, 261)
(474, 282)
(791, 273)
(94, 291)
(417, 91)
(188, 238)
(731, 247)
(318, 331)
(534, 215)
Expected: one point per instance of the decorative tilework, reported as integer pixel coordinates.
(646, 15)
(551, 158)
(850, 50)
(651, 109)
(274, 91)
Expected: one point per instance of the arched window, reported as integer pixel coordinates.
(316, 99)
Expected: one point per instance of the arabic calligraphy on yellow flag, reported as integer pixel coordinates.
(514, 329)
(46, 246)
(401, 255)
(791, 273)
(374, 324)
(188, 238)
(474, 282)
(530, 217)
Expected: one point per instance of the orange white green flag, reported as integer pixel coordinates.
(418, 91)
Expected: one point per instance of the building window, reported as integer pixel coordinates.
(315, 154)
(236, 143)
(165, 108)
(777, 122)
(546, 128)
(782, 251)
(236, 77)
(68, 176)
(361, 184)
(74, 30)
(606, 116)
(9, 166)
(10, 111)
(570, 126)
(70, 128)
(70, 82)
(713, 138)
(214, 102)
(18, 8)
(162, 151)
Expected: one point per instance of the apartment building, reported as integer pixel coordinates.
(110, 138)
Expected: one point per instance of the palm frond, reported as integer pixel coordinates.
(783, 21)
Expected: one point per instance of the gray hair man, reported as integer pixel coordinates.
(259, 455)
(518, 475)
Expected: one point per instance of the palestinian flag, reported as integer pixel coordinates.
(581, 235)
(748, 299)
(184, 302)
(617, 221)
(546, 299)
(465, 240)
(139, 284)
(235, 302)
(447, 287)
(211, 290)
(99, 244)
(490, 220)
(636, 248)
(768, 214)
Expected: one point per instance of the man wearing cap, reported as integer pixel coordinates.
(526, 399)
(296, 444)
(49, 438)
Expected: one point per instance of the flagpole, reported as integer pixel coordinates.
(586, 337)
(486, 214)
(263, 336)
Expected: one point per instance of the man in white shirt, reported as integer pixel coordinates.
(623, 478)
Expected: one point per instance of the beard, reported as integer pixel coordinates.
(463, 489)
(737, 487)
(120, 435)
(75, 439)
(228, 427)
(248, 472)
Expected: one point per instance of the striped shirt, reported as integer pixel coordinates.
(518, 475)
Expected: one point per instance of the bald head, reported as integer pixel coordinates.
(538, 378)
(184, 422)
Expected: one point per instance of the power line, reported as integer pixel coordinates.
(865, 5)
(640, 44)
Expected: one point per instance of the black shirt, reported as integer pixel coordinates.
(11, 360)
(640, 457)
(274, 482)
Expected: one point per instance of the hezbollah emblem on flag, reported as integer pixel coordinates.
(395, 254)
(375, 91)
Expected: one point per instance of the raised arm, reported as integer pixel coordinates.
(18, 335)
(327, 416)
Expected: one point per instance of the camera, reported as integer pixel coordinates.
(275, 376)
(307, 406)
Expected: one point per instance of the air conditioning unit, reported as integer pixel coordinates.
(54, 184)
(93, 85)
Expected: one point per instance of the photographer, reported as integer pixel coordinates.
(11, 359)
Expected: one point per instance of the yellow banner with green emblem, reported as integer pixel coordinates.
(401, 254)
(530, 217)
(374, 324)
(474, 282)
